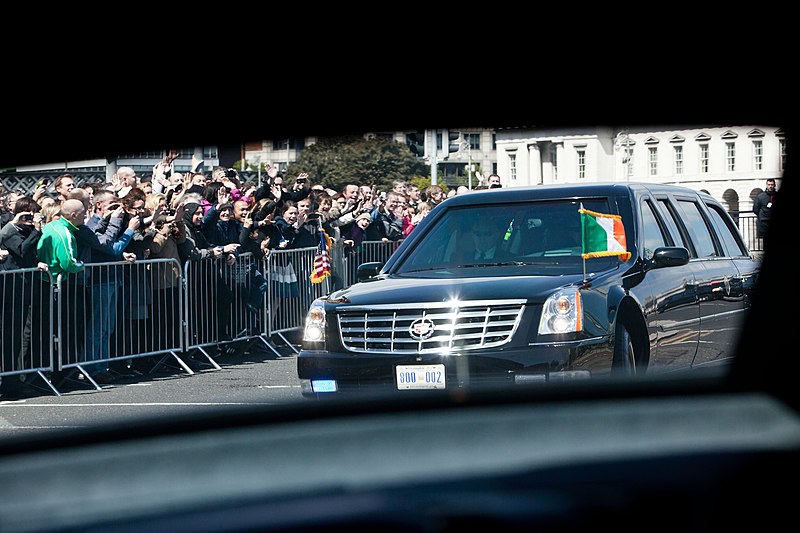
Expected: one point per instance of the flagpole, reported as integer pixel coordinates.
(583, 246)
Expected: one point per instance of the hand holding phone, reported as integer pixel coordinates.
(134, 223)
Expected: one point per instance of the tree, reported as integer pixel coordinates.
(336, 161)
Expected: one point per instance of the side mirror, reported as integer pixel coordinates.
(368, 271)
(670, 256)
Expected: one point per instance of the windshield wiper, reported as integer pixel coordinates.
(442, 267)
(504, 263)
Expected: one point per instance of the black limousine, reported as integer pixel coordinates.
(539, 284)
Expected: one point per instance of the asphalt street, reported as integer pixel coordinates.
(241, 380)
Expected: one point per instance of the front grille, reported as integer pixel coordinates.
(429, 328)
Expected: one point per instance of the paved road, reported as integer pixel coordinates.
(245, 379)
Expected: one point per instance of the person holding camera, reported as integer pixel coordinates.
(7, 208)
(19, 238)
(350, 203)
(301, 188)
(168, 237)
(22, 233)
(492, 181)
(219, 225)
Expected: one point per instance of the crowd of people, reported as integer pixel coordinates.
(59, 230)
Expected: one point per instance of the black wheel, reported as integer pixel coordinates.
(624, 362)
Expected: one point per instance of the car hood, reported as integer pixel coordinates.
(396, 290)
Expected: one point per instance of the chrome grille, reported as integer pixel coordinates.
(453, 327)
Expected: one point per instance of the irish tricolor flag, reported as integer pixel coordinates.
(602, 235)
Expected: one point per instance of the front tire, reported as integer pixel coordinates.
(624, 360)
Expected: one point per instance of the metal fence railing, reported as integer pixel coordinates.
(162, 310)
(746, 222)
(27, 297)
(158, 311)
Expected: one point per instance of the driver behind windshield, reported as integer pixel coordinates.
(487, 238)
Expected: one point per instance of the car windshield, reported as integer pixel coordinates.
(544, 238)
(283, 272)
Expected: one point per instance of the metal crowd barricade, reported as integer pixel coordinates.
(27, 297)
(121, 311)
(225, 303)
(366, 252)
(291, 291)
(118, 311)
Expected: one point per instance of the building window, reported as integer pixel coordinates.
(782, 149)
(287, 144)
(512, 166)
(730, 156)
(627, 160)
(210, 152)
(652, 157)
(758, 155)
(554, 158)
(581, 164)
(474, 140)
(494, 141)
(143, 155)
(704, 158)
(439, 141)
(629, 166)
(678, 160)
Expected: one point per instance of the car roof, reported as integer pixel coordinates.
(560, 191)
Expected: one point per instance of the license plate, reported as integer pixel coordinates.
(420, 377)
(323, 385)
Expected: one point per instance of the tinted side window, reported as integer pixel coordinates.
(674, 227)
(652, 235)
(731, 242)
(697, 228)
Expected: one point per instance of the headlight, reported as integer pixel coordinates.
(315, 323)
(562, 313)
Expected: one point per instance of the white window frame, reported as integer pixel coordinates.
(730, 156)
(581, 163)
(652, 160)
(758, 154)
(512, 166)
(703, 160)
(678, 159)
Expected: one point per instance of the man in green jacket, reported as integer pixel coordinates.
(58, 248)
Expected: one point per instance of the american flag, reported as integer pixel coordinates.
(322, 261)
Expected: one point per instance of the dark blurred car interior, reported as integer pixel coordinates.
(707, 453)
